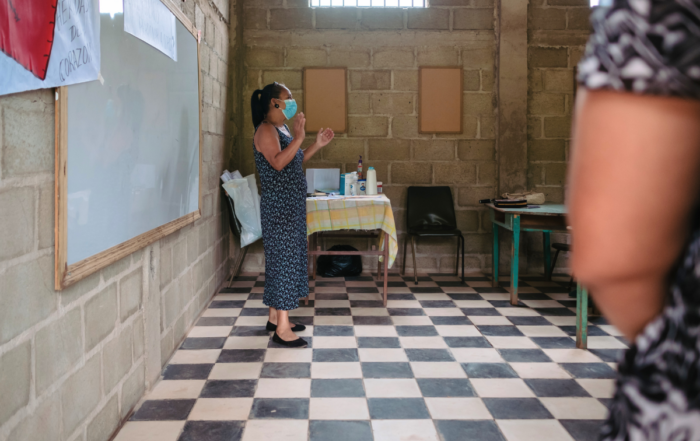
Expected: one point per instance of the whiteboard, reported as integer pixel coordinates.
(133, 141)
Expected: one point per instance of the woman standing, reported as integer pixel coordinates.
(278, 158)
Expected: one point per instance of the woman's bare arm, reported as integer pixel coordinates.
(267, 142)
(633, 180)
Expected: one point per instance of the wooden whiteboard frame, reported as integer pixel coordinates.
(460, 94)
(304, 89)
(66, 275)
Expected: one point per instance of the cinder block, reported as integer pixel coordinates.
(433, 150)
(350, 57)
(478, 56)
(557, 127)
(343, 150)
(393, 57)
(389, 150)
(15, 377)
(370, 79)
(575, 55)
(476, 150)
(255, 18)
(473, 19)
(411, 173)
(171, 305)
(216, 94)
(133, 389)
(80, 394)
(470, 196)
(130, 293)
(547, 19)
(468, 220)
(139, 338)
(336, 18)
(382, 19)
(487, 127)
(428, 18)
(437, 56)
(455, 173)
(555, 174)
(406, 80)
(116, 268)
(100, 316)
(547, 57)
(478, 103)
(488, 173)
(42, 425)
(393, 103)
(58, 347)
(46, 216)
(535, 175)
(116, 359)
(179, 257)
(472, 80)
(358, 103)
(257, 56)
(546, 104)
(368, 126)
(486, 224)
(17, 220)
(105, 422)
(568, 3)
(283, 19)
(306, 57)
(28, 136)
(578, 19)
(450, 3)
(534, 127)
(166, 266)
(558, 39)
(27, 296)
(487, 80)
(546, 150)
(192, 246)
(406, 126)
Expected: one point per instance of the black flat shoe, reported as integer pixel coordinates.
(298, 343)
(272, 327)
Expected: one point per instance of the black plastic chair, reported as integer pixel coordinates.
(430, 212)
(559, 247)
(235, 226)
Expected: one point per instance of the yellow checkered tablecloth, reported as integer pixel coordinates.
(353, 213)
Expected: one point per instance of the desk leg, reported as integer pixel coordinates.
(581, 317)
(386, 268)
(495, 254)
(514, 261)
(313, 258)
(547, 255)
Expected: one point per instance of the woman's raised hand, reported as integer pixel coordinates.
(324, 137)
(299, 123)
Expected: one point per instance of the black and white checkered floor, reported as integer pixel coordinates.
(444, 361)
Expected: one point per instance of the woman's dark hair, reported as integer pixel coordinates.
(260, 101)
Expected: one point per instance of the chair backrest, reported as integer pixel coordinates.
(430, 207)
(232, 219)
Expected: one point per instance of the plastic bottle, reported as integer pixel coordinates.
(359, 168)
(351, 183)
(371, 181)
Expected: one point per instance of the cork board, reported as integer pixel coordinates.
(440, 100)
(326, 99)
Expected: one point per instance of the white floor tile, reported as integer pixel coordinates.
(235, 371)
(338, 409)
(423, 342)
(220, 297)
(443, 312)
(383, 354)
(375, 331)
(392, 388)
(411, 321)
(539, 370)
(301, 312)
(200, 356)
(176, 389)
(286, 430)
(598, 388)
(473, 304)
(561, 321)
(221, 409)
(256, 303)
(458, 331)
(369, 312)
(222, 312)
(571, 356)
(457, 409)
(542, 331)
(575, 408)
(336, 370)
(512, 343)
(599, 342)
(517, 312)
(533, 430)
(404, 430)
(425, 369)
(501, 388)
(432, 296)
(251, 321)
(151, 431)
(403, 304)
(610, 329)
(330, 320)
(332, 304)
(283, 388)
(476, 355)
(334, 342)
(247, 342)
(289, 355)
(486, 320)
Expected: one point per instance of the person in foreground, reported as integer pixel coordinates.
(278, 158)
(634, 180)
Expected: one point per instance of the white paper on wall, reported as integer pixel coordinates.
(152, 22)
(67, 34)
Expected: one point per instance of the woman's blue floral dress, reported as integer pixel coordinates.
(283, 219)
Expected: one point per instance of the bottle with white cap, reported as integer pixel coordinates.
(371, 181)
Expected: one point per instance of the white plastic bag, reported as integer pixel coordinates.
(247, 213)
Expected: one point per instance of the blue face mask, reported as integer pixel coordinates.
(290, 108)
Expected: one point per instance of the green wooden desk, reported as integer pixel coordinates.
(547, 218)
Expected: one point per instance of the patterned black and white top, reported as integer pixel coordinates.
(283, 219)
(653, 47)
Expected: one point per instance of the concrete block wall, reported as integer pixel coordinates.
(74, 363)
(382, 49)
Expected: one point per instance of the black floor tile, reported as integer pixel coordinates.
(416, 331)
(237, 290)
(406, 311)
(451, 283)
(309, 343)
(491, 290)
(403, 296)
(420, 279)
(554, 342)
(254, 312)
(480, 311)
(425, 289)
(303, 320)
(330, 296)
(216, 321)
(547, 387)
(609, 355)
(593, 331)
(437, 303)
(241, 356)
(371, 320)
(361, 290)
(249, 331)
(212, 431)
(529, 321)
(500, 331)
(524, 356)
(366, 304)
(583, 430)
(340, 284)
(256, 296)
(380, 284)
(590, 370)
(280, 408)
(203, 343)
(320, 430)
(378, 342)
(467, 342)
(335, 355)
(359, 279)
(259, 283)
(517, 409)
(334, 331)
(229, 388)
(345, 387)
(607, 402)
(187, 371)
(397, 409)
(534, 296)
(489, 370)
(332, 311)
(286, 370)
(429, 355)
(163, 410)
(386, 370)
(445, 387)
(217, 304)
(465, 296)
(568, 303)
(555, 312)
(597, 320)
(450, 320)
(477, 430)
(506, 304)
